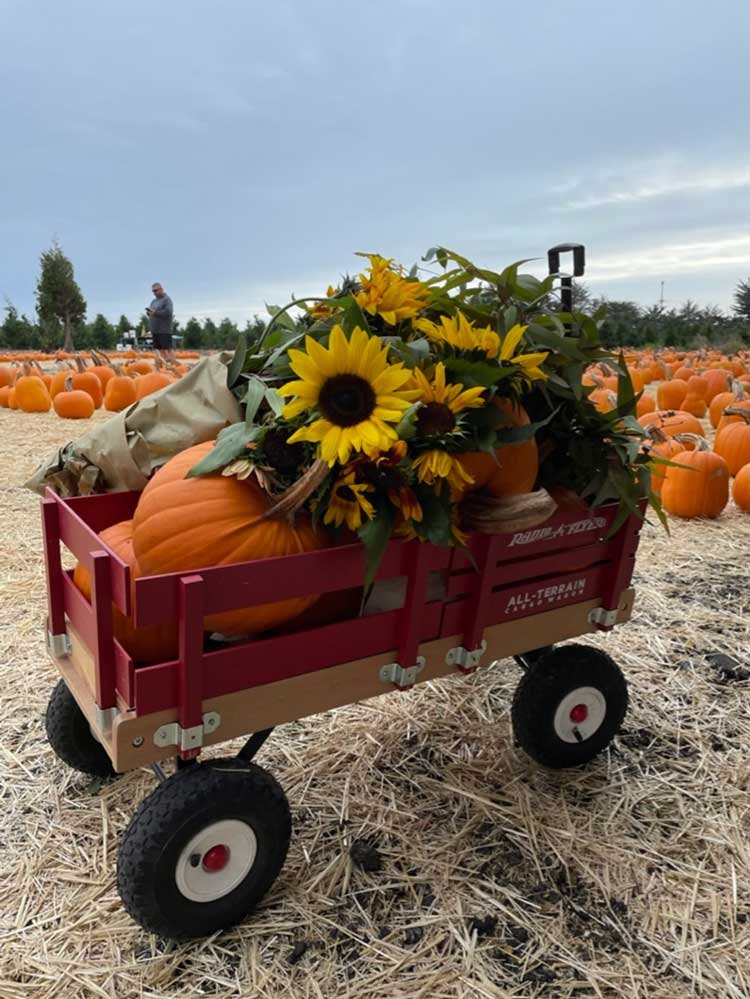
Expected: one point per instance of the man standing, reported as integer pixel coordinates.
(160, 314)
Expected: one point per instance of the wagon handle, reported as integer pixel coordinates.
(566, 280)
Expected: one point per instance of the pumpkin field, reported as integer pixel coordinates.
(430, 858)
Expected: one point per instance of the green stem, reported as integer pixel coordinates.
(291, 305)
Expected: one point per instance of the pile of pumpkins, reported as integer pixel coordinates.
(694, 390)
(75, 390)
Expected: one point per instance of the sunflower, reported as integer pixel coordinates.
(529, 363)
(322, 310)
(348, 502)
(405, 500)
(459, 332)
(441, 402)
(355, 394)
(433, 466)
(386, 293)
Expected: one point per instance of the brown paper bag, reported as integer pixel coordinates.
(125, 451)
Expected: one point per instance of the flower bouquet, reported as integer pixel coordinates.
(429, 403)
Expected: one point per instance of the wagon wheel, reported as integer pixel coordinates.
(69, 734)
(569, 705)
(203, 848)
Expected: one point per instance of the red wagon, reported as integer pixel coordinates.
(207, 843)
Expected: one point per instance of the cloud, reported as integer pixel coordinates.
(663, 187)
(671, 258)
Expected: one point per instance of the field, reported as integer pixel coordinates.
(430, 857)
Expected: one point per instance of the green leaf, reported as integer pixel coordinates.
(436, 522)
(256, 392)
(280, 317)
(473, 373)
(275, 401)
(230, 444)
(406, 428)
(238, 361)
(351, 315)
(375, 535)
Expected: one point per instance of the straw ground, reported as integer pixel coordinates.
(430, 857)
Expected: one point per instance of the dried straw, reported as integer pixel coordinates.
(430, 858)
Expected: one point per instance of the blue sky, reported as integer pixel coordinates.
(239, 151)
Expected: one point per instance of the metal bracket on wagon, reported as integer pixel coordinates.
(187, 738)
(59, 645)
(465, 659)
(104, 719)
(402, 676)
(603, 618)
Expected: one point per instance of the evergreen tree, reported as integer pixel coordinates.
(17, 332)
(193, 334)
(227, 334)
(741, 305)
(210, 334)
(124, 325)
(58, 297)
(102, 333)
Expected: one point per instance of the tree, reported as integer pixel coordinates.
(227, 334)
(193, 334)
(741, 305)
(16, 332)
(58, 297)
(210, 333)
(102, 333)
(124, 325)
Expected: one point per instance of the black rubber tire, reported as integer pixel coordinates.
(166, 821)
(70, 736)
(543, 686)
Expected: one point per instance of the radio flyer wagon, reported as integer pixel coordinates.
(205, 846)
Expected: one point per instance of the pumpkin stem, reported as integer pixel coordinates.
(69, 383)
(288, 502)
(699, 443)
(656, 433)
(507, 514)
(736, 411)
(80, 362)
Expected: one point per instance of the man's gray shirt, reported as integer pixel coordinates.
(160, 320)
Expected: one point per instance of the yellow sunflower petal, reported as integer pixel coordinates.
(511, 340)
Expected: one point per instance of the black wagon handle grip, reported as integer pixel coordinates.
(579, 257)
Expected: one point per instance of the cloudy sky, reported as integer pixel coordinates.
(240, 150)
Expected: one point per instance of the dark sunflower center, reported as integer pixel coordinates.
(346, 400)
(346, 494)
(435, 418)
(284, 457)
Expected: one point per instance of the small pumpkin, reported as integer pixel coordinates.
(86, 381)
(741, 488)
(733, 441)
(148, 384)
(695, 405)
(697, 485)
(660, 445)
(5, 391)
(724, 399)
(73, 404)
(6, 376)
(717, 382)
(182, 524)
(150, 644)
(646, 404)
(139, 368)
(733, 414)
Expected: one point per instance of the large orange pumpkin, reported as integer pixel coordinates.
(699, 487)
(148, 384)
(733, 414)
(31, 395)
(672, 422)
(669, 395)
(514, 468)
(152, 644)
(741, 488)
(717, 381)
(661, 446)
(119, 393)
(181, 524)
(733, 443)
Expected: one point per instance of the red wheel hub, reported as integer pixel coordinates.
(579, 714)
(216, 859)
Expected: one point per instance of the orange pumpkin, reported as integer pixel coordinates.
(5, 391)
(6, 376)
(73, 404)
(31, 395)
(697, 485)
(148, 384)
(12, 404)
(119, 394)
(695, 405)
(722, 400)
(733, 414)
(741, 488)
(697, 385)
(733, 441)
(672, 422)
(669, 395)
(86, 381)
(514, 468)
(181, 524)
(661, 446)
(717, 381)
(58, 381)
(139, 368)
(151, 644)
(645, 404)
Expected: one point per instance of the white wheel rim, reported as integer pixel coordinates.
(580, 714)
(216, 860)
